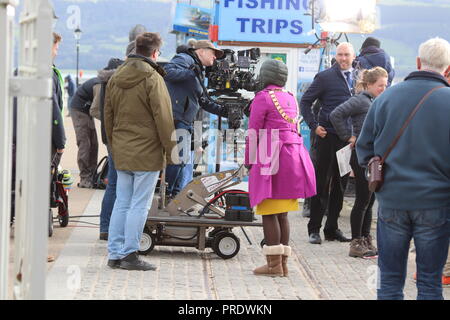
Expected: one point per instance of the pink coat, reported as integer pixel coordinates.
(281, 166)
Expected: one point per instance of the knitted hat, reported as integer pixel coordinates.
(113, 63)
(273, 72)
(370, 41)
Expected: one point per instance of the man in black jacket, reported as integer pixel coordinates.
(331, 87)
(85, 131)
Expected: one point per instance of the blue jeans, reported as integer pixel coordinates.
(430, 230)
(135, 191)
(179, 175)
(109, 197)
(187, 173)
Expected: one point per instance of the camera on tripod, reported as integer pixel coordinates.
(232, 72)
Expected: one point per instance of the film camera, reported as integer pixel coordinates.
(232, 72)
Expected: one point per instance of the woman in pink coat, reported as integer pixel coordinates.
(281, 170)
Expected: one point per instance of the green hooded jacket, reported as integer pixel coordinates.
(138, 117)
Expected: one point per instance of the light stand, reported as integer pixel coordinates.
(77, 33)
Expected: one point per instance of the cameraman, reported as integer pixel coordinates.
(184, 81)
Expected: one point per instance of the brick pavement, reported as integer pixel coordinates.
(316, 271)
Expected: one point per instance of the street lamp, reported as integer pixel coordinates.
(77, 34)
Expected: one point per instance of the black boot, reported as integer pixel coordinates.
(132, 262)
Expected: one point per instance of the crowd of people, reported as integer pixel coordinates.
(414, 198)
(141, 104)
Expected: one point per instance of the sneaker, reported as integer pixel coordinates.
(132, 262)
(314, 238)
(358, 249)
(369, 244)
(85, 184)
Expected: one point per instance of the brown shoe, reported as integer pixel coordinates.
(273, 268)
(50, 258)
(369, 244)
(284, 258)
(358, 249)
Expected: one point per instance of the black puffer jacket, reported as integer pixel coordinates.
(84, 95)
(355, 108)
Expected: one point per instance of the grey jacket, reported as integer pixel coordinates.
(355, 108)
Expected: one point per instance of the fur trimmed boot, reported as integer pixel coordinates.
(273, 268)
(284, 258)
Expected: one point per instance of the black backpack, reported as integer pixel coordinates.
(101, 174)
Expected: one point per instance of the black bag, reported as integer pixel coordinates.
(100, 179)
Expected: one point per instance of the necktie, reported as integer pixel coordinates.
(347, 77)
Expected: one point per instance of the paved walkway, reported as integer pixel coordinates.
(316, 271)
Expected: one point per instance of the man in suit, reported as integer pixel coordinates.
(331, 87)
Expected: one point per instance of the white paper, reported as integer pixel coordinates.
(343, 159)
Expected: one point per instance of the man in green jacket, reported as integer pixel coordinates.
(139, 125)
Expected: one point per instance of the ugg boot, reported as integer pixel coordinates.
(273, 267)
(284, 258)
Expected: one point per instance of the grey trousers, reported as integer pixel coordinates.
(87, 143)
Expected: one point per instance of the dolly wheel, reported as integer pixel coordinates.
(147, 242)
(226, 245)
(50, 222)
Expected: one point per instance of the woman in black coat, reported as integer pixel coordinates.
(371, 84)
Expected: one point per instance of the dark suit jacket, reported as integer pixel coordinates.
(331, 89)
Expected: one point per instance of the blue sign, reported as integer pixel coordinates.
(191, 19)
(265, 21)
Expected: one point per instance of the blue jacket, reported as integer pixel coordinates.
(417, 171)
(331, 89)
(372, 57)
(185, 89)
